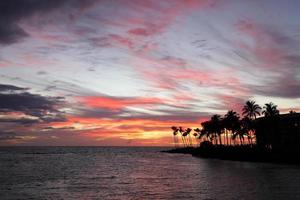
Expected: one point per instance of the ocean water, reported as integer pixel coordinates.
(137, 173)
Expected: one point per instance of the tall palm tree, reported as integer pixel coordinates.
(187, 132)
(175, 133)
(270, 110)
(231, 122)
(181, 131)
(243, 130)
(196, 134)
(247, 128)
(216, 127)
(206, 131)
(251, 109)
(225, 131)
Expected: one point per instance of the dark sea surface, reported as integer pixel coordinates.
(137, 173)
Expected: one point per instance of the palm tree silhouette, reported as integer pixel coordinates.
(243, 130)
(292, 112)
(251, 109)
(187, 133)
(196, 134)
(231, 123)
(247, 128)
(216, 127)
(175, 133)
(270, 110)
(181, 131)
(206, 131)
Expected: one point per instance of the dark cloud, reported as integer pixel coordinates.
(288, 88)
(50, 128)
(19, 121)
(27, 102)
(7, 88)
(100, 113)
(7, 136)
(41, 73)
(13, 11)
(50, 87)
(42, 108)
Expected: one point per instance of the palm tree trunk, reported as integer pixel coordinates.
(215, 139)
(226, 135)
(182, 141)
(190, 139)
(174, 141)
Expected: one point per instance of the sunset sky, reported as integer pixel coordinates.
(122, 72)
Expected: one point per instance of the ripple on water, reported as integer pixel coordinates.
(137, 173)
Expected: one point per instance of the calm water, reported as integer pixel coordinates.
(137, 173)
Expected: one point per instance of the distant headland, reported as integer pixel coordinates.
(273, 137)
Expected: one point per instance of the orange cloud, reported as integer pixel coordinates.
(135, 129)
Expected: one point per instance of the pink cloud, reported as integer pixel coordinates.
(154, 18)
(264, 45)
(5, 63)
(163, 14)
(123, 41)
(230, 102)
(140, 31)
(169, 76)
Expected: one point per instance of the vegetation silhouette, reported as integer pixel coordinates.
(271, 137)
(270, 110)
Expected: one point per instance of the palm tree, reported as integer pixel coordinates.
(206, 131)
(216, 127)
(231, 122)
(224, 126)
(247, 128)
(244, 130)
(270, 110)
(175, 133)
(181, 131)
(292, 112)
(197, 133)
(251, 109)
(187, 132)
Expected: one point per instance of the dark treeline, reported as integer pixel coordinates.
(227, 130)
(273, 137)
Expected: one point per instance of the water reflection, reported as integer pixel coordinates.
(138, 173)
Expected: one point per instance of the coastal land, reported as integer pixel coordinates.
(239, 153)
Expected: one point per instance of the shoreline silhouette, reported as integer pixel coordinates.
(273, 137)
